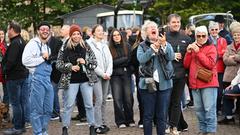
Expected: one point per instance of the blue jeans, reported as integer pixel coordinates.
(18, 97)
(5, 94)
(205, 101)
(156, 103)
(69, 97)
(228, 103)
(56, 106)
(41, 99)
(27, 114)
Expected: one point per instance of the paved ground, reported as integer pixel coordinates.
(82, 129)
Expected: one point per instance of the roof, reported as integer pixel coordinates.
(87, 9)
(120, 12)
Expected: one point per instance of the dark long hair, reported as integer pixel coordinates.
(112, 43)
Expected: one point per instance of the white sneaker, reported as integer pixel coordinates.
(174, 131)
(167, 131)
(122, 126)
(140, 126)
(55, 118)
(132, 125)
(28, 125)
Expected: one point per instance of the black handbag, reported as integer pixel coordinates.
(146, 70)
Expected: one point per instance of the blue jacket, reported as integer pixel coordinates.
(145, 56)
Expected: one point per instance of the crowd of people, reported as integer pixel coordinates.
(86, 64)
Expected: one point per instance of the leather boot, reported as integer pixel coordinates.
(64, 131)
(92, 130)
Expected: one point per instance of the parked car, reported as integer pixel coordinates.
(203, 19)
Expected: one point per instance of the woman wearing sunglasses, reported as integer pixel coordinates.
(202, 54)
(221, 45)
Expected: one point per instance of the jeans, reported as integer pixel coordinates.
(5, 94)
(175, 101)
(122, 99)
(69, 97)
(41, 99)
(228, 103)
(56, 106)
(100, 91)
(27, 114)
(156, 103)
(18, 97)
(205, 101)
(80, 105)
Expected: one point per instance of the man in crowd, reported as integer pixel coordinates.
(223, 32)
(179, 42)
(17, 79)
(36, 57)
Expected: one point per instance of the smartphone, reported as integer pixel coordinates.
(161, 31)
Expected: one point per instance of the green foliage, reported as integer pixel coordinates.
(37, 10)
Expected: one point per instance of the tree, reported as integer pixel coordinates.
(28, 12)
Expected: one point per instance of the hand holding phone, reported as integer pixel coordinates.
(161, 31)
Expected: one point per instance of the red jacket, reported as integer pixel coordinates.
(221, 48)
(206, 57)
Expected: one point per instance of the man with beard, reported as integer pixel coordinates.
(36, 58)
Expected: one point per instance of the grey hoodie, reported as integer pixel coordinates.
(32, 57)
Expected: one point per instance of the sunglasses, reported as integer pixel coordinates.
(203, 36)
(214, 29)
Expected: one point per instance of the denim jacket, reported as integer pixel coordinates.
(144, 56)
(66, 67)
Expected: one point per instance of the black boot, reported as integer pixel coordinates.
(92, 130)
(64, 131)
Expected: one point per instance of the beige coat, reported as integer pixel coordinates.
(232, 63)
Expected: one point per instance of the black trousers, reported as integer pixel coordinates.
(122, 99)
(140, 104)
(175, 101)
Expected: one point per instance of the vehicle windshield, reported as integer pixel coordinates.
(203, 19)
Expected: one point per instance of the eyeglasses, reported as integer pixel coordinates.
(44, 29)
(214, 29)
(201, 36)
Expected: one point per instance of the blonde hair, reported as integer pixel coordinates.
(235, 27)
(71, 44)
(25, 35)
(144, 28)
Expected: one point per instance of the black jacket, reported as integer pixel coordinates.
(12, 61)
(121, 63)
(55, 45)
(179, 43)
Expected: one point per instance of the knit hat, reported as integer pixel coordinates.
(73, 28)
(235, 27)
(42, 24)
(219, 19)
(201, 29)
